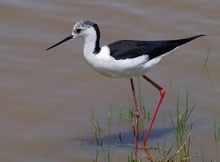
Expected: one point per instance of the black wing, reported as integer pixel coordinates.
(130, 48)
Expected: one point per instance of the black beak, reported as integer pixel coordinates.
(64, 40)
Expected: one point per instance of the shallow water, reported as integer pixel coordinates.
(47, 97)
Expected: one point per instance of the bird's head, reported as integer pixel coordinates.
(82, 29)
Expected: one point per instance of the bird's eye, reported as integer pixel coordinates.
(78, 30)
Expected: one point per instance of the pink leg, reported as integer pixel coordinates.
(137, 114)
(162, 94)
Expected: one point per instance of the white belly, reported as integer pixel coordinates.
(106, 65)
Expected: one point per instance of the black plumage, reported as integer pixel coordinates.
(125, 49)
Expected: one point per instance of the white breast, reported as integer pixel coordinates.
(106, 65)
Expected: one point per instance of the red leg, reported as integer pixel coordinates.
(162, 94)
(137, 113)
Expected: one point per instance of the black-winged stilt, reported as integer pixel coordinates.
(125, 59)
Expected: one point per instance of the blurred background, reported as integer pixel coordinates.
(47, 97)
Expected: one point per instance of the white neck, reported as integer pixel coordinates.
(89, 44)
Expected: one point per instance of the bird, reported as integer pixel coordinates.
(125, 59)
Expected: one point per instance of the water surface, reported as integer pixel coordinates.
(47, 97)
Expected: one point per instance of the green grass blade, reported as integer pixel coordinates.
(207, 57)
